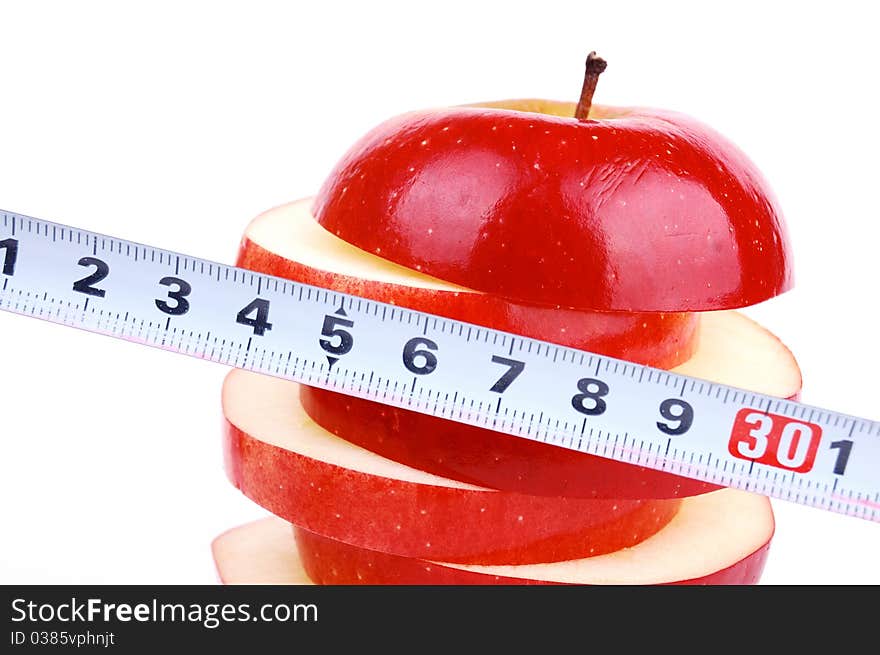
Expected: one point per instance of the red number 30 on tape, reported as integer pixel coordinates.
(774, 440)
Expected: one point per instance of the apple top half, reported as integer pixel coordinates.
(634, 209)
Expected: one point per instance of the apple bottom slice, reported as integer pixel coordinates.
(260, 552)
(282, 460)
(732, 349)
(722, 537)
(288, 242)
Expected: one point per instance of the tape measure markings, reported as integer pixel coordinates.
(326, 357)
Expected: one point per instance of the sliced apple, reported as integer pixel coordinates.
(718, 538)
(287, 241)
(282, 460)
(733, 350)
(260, 552)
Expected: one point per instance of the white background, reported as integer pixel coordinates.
(174, 124)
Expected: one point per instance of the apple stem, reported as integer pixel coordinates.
(594, 68)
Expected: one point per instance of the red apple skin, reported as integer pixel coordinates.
(637, 210)
(660, 339)
(331, 562)
(420, 520)
(487, 458)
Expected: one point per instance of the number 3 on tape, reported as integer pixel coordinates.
(774, 440)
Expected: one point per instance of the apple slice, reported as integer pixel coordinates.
(282, 460)
(260, 552)
(287, 241)
(733, 350)
(718, 538)
(635, 209)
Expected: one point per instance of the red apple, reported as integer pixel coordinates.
(279, 458)
(732, 349)
(635, 209)
(717, 538)
(287, 241)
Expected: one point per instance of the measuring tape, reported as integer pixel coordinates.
(567, 397)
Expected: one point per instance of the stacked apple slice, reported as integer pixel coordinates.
(634, 235)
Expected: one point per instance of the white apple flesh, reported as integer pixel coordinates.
(260, 552)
